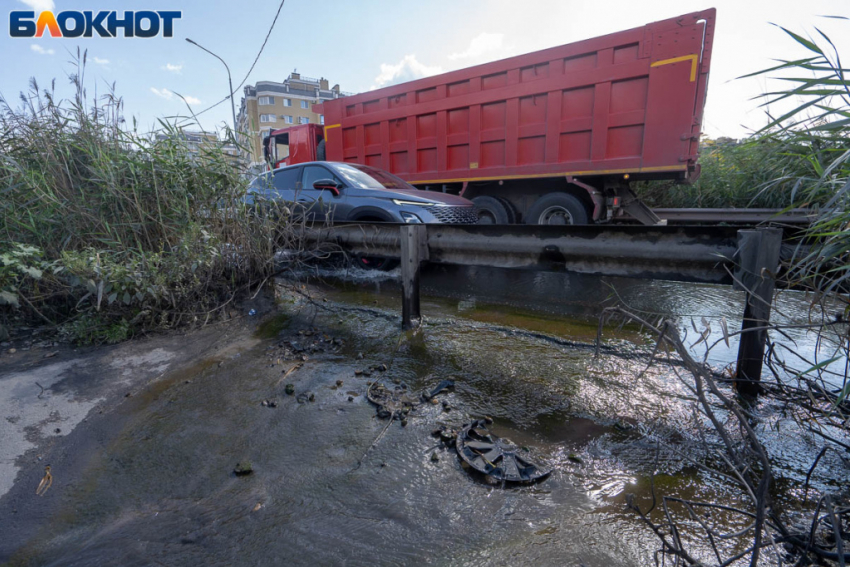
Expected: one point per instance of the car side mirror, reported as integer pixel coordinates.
(327, 185)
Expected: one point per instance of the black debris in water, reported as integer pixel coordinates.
(494, 456)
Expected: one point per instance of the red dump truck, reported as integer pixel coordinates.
(549, 137)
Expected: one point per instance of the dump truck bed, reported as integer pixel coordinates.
(626, 103)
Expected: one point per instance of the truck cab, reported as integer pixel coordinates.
(297, 144)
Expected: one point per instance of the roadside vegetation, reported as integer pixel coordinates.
(769, 170)
(106, 232)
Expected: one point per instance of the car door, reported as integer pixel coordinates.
(277, 191)
(323, 204)
(286, 184)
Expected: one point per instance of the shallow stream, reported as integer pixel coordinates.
(323, 492)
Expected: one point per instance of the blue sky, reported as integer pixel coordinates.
(371, 43)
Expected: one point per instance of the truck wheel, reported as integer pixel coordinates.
(512, 214)
(490, 210)
(557, 208)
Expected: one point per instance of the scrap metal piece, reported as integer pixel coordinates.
(444, 385)
(391, 401)
(496, 457)
(396, 399)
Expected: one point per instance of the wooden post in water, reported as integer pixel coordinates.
(755, 273)
(414, 251)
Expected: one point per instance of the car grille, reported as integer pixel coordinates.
(455, 215)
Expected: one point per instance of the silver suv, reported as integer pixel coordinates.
(336, 192)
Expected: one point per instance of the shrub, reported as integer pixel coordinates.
(109, 231)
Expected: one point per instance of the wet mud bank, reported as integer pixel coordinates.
(64, 409)
(268, 451)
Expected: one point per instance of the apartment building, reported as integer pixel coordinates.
(268, 106)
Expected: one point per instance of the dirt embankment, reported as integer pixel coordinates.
(60, 406)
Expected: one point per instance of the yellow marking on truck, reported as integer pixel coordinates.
(564, 174)
(326, 128)
(694, 59)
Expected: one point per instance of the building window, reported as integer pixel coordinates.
(287, 102)
(303, 120)
(287, 120)
(321, 119)
(268, 118)
(304, 104)
(267, 100)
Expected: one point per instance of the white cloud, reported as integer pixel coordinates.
(173, 68)
(168, 95)
(405, 70)
(39, 49)
(100, 61)
(163, 93)
(480, 45)
(40, 5)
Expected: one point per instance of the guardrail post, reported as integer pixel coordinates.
(414, 251)
(755, 273)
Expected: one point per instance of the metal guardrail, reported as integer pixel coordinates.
(682, 253)
(738, 216)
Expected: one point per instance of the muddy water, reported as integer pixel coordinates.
(516, 345)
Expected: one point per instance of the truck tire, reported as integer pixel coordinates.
(491, 210)
(557, 208)
(512, 214)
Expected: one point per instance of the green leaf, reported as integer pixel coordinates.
(788, 115)
(818, 81)
(112, 297)
(819, 366)
(34, 273)
(9, 298)
(808, 44)
(126, 299)
(99, 294)
(784, 65)
(837, 125)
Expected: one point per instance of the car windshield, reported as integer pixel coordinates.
(364, 177)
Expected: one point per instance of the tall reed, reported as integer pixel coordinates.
(107, 231)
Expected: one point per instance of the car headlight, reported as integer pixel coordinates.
(413, 203)
(410, 218)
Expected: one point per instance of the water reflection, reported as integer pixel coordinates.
(580, 296)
